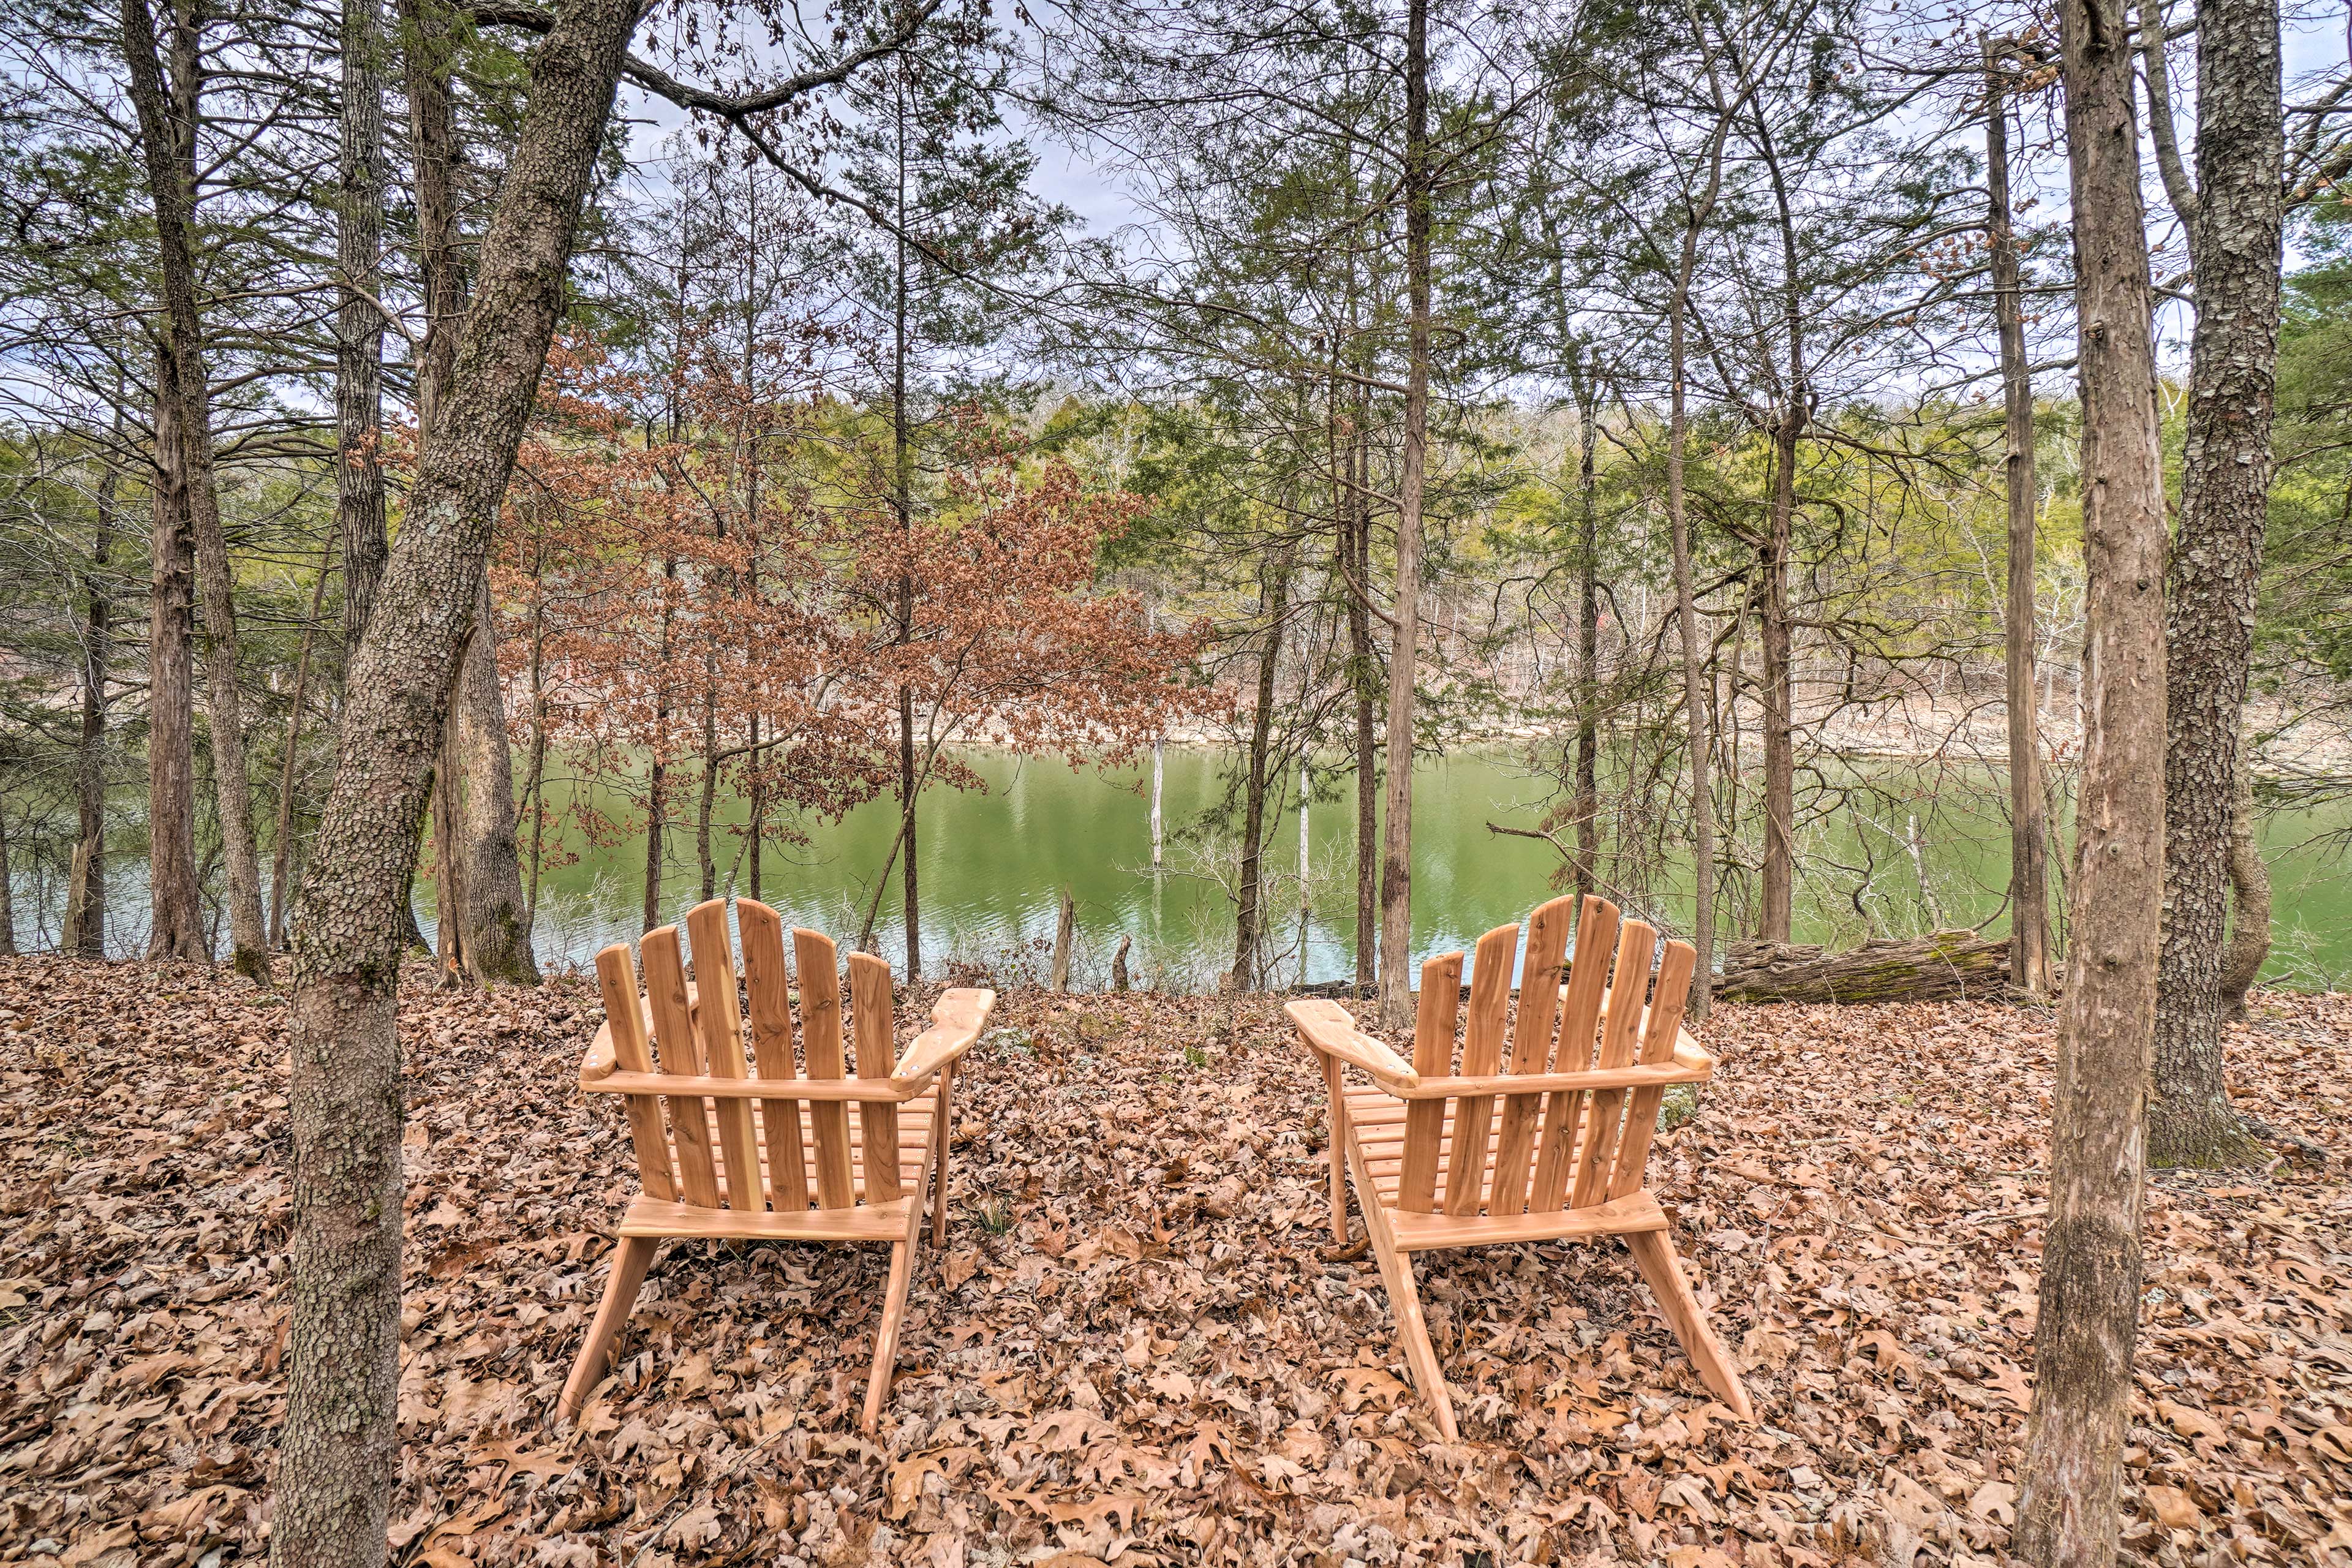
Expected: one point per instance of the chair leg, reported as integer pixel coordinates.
(885, 1338)
(630, 1261)
(1338, 1130)
(1396, 1270)
(1655, 1254)
(1405, 1301)
(940, 1133)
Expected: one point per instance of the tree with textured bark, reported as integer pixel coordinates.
(2069, 1508)
(1404, 655)
(167, 95)
(2234, 213)
(339, 1447)
(2029, 833)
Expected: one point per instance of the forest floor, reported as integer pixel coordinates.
(1140, 1345)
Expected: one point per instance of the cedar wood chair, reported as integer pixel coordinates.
(702, 1174)
(1542, 1148)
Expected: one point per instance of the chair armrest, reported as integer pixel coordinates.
(957, 1019)
(853, 1091)
(1653, 1075)
(1330, 1029)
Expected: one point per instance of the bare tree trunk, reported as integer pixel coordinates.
(1065, 927)
(657, 769)
(84, 931)
(7, 894)
(1396, 838)
(706, 805)
(2029, 840)
(168, 108)
(1363, 678)
(1249, 900)
(1588, 636)
(281, 860)
(359, 329)
(491, 905)
(339, 1450)
(1698, 687)
(2250, 889)
(2215, 563)
(1776, 884)
(2069, 1511)
(175, 897)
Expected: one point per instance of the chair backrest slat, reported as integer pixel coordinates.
(816, 958)
(1530, 1052)
(720, 1023)
(616, 978)
(769, 987)
(681, 1053)
(1433, 1057)
(1618, 1031)
(1481, 1057)
(870, 1026)
(1659, 1033)
(1579, 1017)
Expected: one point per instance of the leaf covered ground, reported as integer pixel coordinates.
(1141, 1344)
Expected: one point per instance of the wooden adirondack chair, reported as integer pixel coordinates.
(866, 1179)
(1544, 1145)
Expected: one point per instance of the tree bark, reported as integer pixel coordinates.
(2216, 564)
(1363, 679)
(1947, 964)
(167, 108)
(175, 897)
(1249, 898)
(281, 862)
(2249, 889)
(339, 1450)
(1778, 881)
(657, 769)
(1396, 837)
(359, 328)
(2070, 1505)
(494, 911)
(84, 931)
(1588, 638)
(2029, 836)
(1698, 686)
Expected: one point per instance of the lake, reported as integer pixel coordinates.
(993, 863)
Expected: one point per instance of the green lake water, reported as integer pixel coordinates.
(993, 863)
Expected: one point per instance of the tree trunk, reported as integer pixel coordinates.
(1698, 686)
(167, 111)
(2250, 889)
(175, 897)
(1249, 898)
(1396, 838)
(339, 1448)
(7, 895)
(359, 328)
(1363, 678)
(2028, 838)
(657, 769)
(1776, 884)
(493, 911)
(2215, 563)
(281, 856)
(1948, 964)
(2069, 1508)
(84, 931)
(1588, 638)
(1065, 927)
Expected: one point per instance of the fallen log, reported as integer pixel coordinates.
(1947, 965)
